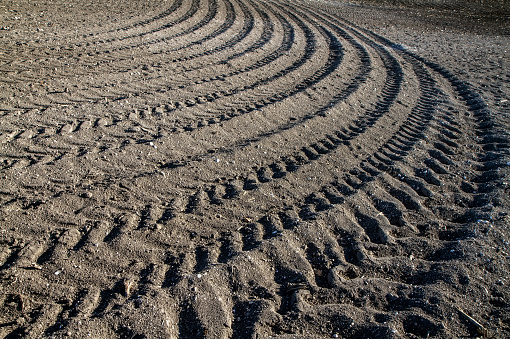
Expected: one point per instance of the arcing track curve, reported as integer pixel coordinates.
(237, 168)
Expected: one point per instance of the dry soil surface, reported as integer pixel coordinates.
(254, 169)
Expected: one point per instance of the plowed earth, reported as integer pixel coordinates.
(252, 169)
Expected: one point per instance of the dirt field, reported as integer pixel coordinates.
(254, 169)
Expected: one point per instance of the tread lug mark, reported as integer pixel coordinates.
(428, 176)
(86, 302)
(377, 227)
(27, 134)
(84, 125)
(441, 157)
(272, 225)
(251, 182)
(205, 256)
(278, 169)
(97, 233)
(46, 316)
(196, 202)
(189, 323)
(252, 235)
(66, 129)
(320, 264)
(175, 270)
(233, 189)
(150, 216)
(308, 212)
(173, 209)
(421, 326)
(209, 307)
(264, 174)
(216, 194)
(310, 153)
(122, 224)
(319, 201)
(29, 254)
(333, 195)
(155, 276)
(392, 212)
(290, 219)
(68, 240)
(106, 299)
(434, 166)
(252, 314)
(231, 245)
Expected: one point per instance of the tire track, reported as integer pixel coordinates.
(208, 18)
(212, 10)
(286, 235)
(376, 234)
(167, 11)
(175, 6)
(262, 82)
(246, 30)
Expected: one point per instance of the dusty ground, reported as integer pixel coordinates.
(254, 169)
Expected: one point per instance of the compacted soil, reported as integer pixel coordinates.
(254, 169)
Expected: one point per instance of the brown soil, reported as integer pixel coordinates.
(254, 169)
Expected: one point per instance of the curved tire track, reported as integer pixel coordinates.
(316, 171)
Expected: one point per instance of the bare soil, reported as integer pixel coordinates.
(254, 169)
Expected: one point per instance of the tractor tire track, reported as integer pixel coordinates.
(319, 174)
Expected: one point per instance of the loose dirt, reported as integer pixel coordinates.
(254, 169)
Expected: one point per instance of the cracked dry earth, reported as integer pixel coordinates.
(251, 169)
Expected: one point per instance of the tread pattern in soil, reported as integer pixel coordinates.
(236, 168)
